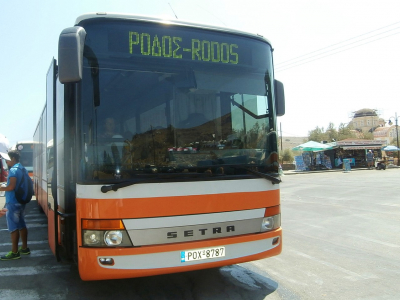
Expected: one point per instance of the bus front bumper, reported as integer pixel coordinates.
(117, 263)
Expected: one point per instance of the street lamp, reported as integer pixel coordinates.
(397, 135)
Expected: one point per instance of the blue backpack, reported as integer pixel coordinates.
(24, 192)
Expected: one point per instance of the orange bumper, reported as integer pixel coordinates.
(163, 259)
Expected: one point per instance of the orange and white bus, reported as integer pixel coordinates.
(25, 150)
(156, 151)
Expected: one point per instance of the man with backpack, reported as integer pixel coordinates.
(15, 210)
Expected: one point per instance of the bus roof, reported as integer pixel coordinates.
(14, 147)
(143, 18)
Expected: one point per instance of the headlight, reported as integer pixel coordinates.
(92, 238)
(102, 238)
(271, 223)
(104, 233)
(113, 238)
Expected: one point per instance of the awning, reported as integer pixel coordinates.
(360, 147)
(312, 146)
(390, 148)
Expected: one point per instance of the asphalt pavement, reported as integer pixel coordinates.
(296, 172)
(340, 242)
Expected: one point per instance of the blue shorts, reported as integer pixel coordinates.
(15, 216)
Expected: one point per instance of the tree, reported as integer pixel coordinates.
(331, 133)
(368, 135)
(287, 156)
(317, 134)
(346, 132)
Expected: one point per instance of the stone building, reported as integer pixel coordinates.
(387, 134)
(366, 120)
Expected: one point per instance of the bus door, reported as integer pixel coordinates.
(50, 168)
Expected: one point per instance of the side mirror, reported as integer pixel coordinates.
(279, 98)
(70, 54)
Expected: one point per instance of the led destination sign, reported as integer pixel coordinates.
(114, 42)
(176, 47)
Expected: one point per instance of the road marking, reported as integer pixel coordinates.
(30, 294)
(19, 294)
(374, 241)
(353, 276)
(35, 215)
(38, 253)
(41, 221)
(27, 271)
(34, 225)
(29, 243)
(390, 204)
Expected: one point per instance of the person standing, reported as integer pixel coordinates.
(15, 210)
(370, 159)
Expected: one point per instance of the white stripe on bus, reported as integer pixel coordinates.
(174, 221)
(174, 189)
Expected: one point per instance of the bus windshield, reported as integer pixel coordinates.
(168, 99)
(25, 150)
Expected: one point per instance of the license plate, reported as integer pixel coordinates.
(200, 254)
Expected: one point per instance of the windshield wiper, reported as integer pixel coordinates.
(233, 102)
(117, 186)
(271, 178)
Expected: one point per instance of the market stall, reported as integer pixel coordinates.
(356, 150)
(388, 155)
(313, 156)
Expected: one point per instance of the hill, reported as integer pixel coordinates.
(290, 142)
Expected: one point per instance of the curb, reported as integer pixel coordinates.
(293, 172)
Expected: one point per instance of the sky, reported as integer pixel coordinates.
(334, 57)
